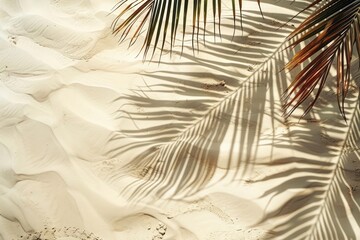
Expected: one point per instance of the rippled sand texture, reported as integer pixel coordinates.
(97, 144)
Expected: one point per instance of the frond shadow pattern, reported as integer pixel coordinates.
(327, 200)
(221, 130)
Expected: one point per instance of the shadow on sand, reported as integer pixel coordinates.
(223, 126)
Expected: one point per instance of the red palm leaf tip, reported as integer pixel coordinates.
(334, 30)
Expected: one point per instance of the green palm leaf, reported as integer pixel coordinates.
(164, 16)
(325, 182)
(333, 28)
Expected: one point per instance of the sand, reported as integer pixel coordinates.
(97, 144)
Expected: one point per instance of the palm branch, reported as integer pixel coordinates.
(334, 28)
(215, 118)
(327, 195)
(331, 33)
(183, 155)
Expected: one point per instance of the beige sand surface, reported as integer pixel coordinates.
(96, 144)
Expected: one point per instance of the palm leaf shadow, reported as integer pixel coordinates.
(326, 204)
(220, 131)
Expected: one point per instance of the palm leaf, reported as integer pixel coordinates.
(334, 28)
(325, 203)
(321, 181)
(164, 16)
(185, 154)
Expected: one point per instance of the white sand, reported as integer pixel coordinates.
(96, 144)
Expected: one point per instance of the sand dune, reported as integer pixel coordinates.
(97, 144)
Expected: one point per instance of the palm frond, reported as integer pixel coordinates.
(325, 201)
(164, 17)
(323, 183)
(222, 130)
(334, 28)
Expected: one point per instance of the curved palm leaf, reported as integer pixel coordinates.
(321, 187)
(222, 130)
(326, 201)
(335, 27)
